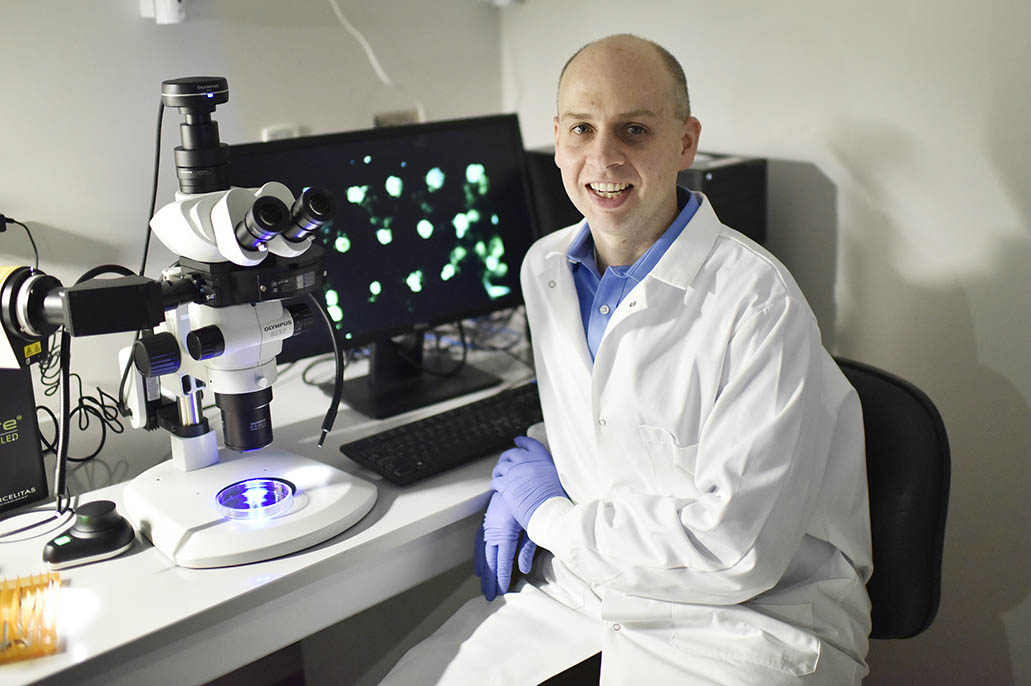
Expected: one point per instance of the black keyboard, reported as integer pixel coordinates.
(425, 447)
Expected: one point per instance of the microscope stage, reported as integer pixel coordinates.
(177, 510)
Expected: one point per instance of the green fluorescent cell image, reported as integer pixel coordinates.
(473, 215)
(367, 159)
(414, 281)
(496, 247)
(461, 224)
(494, 219)
(335, 313)
(480, 248)
(332, 298)
(495, 291)
(458, 254)
(447, 272)
(356, 194)
(492, 263)
(424, 228)
(474, 172)
(375, 288)
(476, 175)
(342, 243)
(384, 236)
(394, 186)
(434, 179)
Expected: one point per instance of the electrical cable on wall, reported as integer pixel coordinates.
(387, 81)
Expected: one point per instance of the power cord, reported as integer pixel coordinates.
(4, 221)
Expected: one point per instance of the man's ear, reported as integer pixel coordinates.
(689, 135)
(556, 141)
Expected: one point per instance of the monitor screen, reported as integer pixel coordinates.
(432, 222)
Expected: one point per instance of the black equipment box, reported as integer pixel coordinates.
(22, 475)
(736, 187)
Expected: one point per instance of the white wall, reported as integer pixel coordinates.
(910, 122)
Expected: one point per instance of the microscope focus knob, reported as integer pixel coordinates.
(205, 343)
(156, 355)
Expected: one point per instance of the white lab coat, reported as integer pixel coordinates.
(717, 527)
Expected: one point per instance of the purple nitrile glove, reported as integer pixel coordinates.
(525, 477)
(495, 550)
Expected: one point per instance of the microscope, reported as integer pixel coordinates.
(214, 321)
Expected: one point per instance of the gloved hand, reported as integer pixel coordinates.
(525, 477)
(496, 543)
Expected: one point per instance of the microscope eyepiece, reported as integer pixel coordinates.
(313, 209)
(267, 218)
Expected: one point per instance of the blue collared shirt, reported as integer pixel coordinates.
(600, 294)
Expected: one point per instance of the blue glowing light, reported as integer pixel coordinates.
(255, 498)
(211, 95)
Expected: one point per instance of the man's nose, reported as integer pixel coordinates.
(606, 151)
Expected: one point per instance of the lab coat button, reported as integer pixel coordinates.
(633, 303)
(601, 423)
(604, 309)
(616, 627)
(552, 284)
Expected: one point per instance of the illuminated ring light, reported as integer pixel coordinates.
(259, 498)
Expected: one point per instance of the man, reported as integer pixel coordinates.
(699, 493)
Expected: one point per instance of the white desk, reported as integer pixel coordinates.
(139, 619)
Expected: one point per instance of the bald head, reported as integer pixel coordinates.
(625, 45)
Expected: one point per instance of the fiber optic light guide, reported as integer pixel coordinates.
(258, 498)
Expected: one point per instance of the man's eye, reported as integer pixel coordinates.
(635, 130)
(580, 129)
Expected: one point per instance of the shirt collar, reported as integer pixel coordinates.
(581, 250)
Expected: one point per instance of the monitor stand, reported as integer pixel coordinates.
(400, 380)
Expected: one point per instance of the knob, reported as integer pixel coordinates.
(156, 355)
(98, 515)
(302, 315)
(205, 343)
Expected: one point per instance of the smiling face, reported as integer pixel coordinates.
(619, 143)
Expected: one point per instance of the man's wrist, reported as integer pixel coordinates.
(543, 527)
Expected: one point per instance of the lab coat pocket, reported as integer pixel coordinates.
(671, 462)
(738, 633)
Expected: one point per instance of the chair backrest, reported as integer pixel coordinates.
(908, 469)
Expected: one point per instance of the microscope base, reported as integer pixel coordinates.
(176, 510)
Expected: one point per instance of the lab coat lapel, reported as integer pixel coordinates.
(677, 268)
(557, 283)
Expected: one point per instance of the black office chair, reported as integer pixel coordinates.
(908, 467)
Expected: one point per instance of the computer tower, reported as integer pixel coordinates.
(735, 185)
(550, 202)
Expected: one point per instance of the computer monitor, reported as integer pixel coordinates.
(432, 223)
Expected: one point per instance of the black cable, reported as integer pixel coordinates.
(48, 446)
(85, 406)
(432, 372)
(338, 380)
(154, 189)
(35, 252)
(65, 417)
(105, 269)
(120, 403)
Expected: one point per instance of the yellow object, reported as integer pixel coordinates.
(28, 616)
